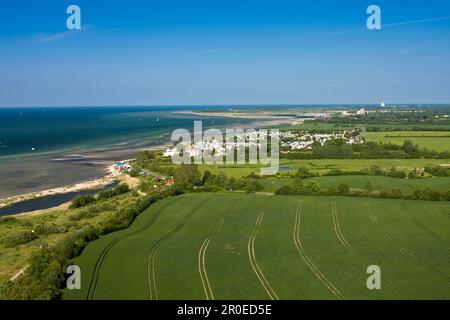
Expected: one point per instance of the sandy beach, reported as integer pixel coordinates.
(99, 160)
(264, 119)
(85, 185)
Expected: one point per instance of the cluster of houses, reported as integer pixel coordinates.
(291, 140)
(219, 147)
(124, 167)
(303, 141)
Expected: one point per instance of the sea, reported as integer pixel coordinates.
(48, 147)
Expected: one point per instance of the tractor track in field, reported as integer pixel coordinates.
(352, 251)
(403, 250)
(307, 259)
(422, 226)
(444, 212)
(99, 263)
(251, 254)
(152, 292)
(202, 253)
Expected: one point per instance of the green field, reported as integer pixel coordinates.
(229, 246)
(433, 140)
(323, 165)
(394, 126)
(379, 183)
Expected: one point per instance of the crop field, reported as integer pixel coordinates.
(213, 246)
(379, 183)
(323, 165)
(394, 126)
(433, 140)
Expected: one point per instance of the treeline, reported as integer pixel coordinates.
(393, 172)
(339, 149)
(313, 188)
(189, 179)
(84, 200)
(408, 128)
(45, 276)
(153, 161)
(400, 116)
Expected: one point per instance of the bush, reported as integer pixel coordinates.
(120, 189)
(311, 188)
(17, 238)
(438, 171)
(81, 201)
(394, 173)
(304, 173)
(412, 174)
(7, 219)
(252, 185)
(285, 190)
(83, 214)
(343, 189)
(44, 278)
(44, 228)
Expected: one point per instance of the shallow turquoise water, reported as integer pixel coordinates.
(43, 130)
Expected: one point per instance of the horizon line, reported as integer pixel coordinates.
(400, 104)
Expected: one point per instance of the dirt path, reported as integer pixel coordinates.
(19, 273)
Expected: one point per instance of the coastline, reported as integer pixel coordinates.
(103, 160)
(84, 185)
(108, 177)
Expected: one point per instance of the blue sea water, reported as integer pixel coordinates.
(43, 130)
(43, 148)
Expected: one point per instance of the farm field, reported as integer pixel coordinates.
(378, 183)
(433, 140)
(324, 165)
(229, 246)
(371, 126)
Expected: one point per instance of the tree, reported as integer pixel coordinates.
(221, 180)
(187, 173)
(303, 173)
(396, 193)
(253, 185)
(311, 188)
(411, 149)
(412, 174)
(81, 201)
(368, 187)
(343, 189)
(297, 185)
(205, 177)
(285, 190)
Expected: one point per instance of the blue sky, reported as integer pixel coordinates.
(223, 52)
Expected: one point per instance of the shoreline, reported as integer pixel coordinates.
(107, 166)
(83, 185)
(91, 184)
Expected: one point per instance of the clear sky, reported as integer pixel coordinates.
(173, 52)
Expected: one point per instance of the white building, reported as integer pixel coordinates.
(361, 111)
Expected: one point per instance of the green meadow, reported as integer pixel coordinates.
(433, 140)
(230, 246)
(379, 183)
(323, 165)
